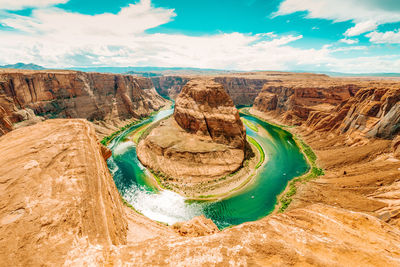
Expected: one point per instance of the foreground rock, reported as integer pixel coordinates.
(28, 97)
(318, 235)
(204, 140)
(198, 226)
(56, 194)
(59, 206)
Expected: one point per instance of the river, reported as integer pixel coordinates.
(284, 161)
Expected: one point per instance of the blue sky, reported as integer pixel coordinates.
(318, 35)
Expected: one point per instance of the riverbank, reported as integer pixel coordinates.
(359, 176)
(286, 197)
(107, 139)
(211, 190)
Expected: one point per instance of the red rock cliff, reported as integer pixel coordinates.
(204, 107)
(373, 112)
(297, 99)
(70, 94)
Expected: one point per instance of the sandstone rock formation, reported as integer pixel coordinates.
(356, 141)
(369, 107)
(318, 235)
(204, 140)
(298, 99)
(374, 111)
(198, 226)
(59, 206)
(203, 107)
(31, 96)
(56, 193)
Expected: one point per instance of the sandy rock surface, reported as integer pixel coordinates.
(28, 97)
(55, 193)
(59, 205)
(205, 138)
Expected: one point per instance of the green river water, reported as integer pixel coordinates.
(284, 161)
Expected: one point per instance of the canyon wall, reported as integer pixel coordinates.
(59, 206)
(32, 96)
(374, 112)
(56, 193)
(242, 90)
(364, 108)
(169, 86)
(296, 100)
(354, 129)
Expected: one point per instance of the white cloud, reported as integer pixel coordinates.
(54, 21)
(20, 4)
(348, 41)
(366, 14)
(348, 48)
(56, 38)
(362, 27)
(390, 37)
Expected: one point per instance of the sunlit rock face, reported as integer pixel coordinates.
(57, 194)
(203, 107)
(204, 139)
(28, 97)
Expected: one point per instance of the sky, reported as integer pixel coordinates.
(354, 36)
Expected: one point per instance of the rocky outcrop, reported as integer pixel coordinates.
(297, 100)
(198, 226)
(373, 112)
(203, 107)
(56, 194)
(58, 200)
(204, 140)
(318, 235)
(36, 95)
(365, 108)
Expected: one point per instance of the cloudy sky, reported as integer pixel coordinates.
(318, 35)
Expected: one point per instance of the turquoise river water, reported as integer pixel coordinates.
(284, 161)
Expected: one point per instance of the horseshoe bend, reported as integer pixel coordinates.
(59, 197)
(202, 142)
(199, 133)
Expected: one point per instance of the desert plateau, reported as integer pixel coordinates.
(148, 133)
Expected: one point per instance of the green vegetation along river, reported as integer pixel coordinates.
(284, 162)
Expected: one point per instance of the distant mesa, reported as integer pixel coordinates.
(204, 139)
(23, 66)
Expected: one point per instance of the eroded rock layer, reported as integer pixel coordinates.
(27, 97)
(59, 206)
(354, 129)
(56, 193)
(297, 99)
(243, 88)
(203, 107)
(205, 139)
